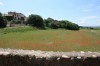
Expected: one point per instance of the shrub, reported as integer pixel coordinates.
(3, 21)
(36, 21)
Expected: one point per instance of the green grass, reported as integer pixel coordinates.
(50, 40)
(16, 29)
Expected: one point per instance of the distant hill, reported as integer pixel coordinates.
(90, 27)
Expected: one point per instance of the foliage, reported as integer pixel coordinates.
(91, 27)
(72, 26)
(35, 20)
(55, 24)
(17, 29)
(3, 21)
(15, 21)
(9, 18)
(49, 22)
(65, 24)
(62, 24)
(46, 23)
(38, 22)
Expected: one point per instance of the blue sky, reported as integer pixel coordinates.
(82, 12)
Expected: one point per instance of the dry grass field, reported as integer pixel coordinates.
(51, 40)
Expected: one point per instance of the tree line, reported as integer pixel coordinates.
(65, 24)
(38, 22)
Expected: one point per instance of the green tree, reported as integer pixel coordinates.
(3, 21)
(72, 26)
(48, 21)
(9, 18)
(55, 24)
(62, 24)
(35, 20)
(68, 25)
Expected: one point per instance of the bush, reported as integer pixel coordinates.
(3, 21)
(65, 24)
(17, 29)
(72, 26)
(55, 25)
(15, 21)
(9, 18)
(36, 21)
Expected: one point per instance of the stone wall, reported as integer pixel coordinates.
(12, 57)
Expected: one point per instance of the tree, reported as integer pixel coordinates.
(62, 24)
(68, 25)
(35, 20)
(3, 21)
(55, 24)
(48, 22)
(72, 26)
(9, 18)
(65, 24)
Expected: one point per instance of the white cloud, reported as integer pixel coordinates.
(98, 7)
(90, 8)
(29, 13)
(98, 20)
(90, 5)
(1, 3)
(88, 20)
(86, 10)
(90, 17)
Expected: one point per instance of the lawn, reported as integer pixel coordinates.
(51, 40)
